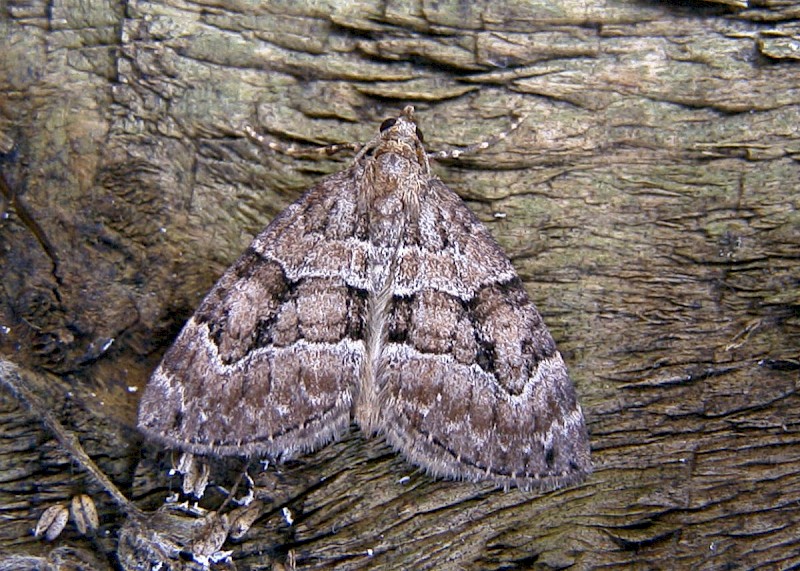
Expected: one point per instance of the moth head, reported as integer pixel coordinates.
(401, 136)
(404, 120)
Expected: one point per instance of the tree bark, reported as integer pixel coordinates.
(649, 201)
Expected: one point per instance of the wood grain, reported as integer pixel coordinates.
(649, 202)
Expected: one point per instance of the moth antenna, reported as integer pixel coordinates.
(480, 146)
(295, 150)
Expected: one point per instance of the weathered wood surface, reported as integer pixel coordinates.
(651, 202)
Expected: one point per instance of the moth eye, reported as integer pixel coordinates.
(388, 123)
(419, 136)
(185, 555)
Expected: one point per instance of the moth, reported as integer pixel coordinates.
(377, 297)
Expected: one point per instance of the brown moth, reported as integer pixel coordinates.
(377, 297)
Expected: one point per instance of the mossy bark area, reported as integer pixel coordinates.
(650, 202)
